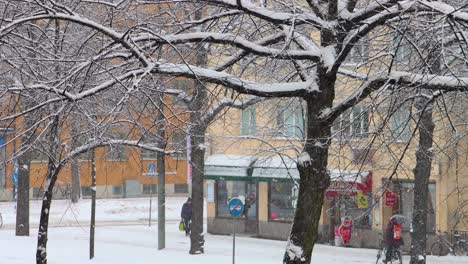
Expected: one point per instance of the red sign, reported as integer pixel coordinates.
(390, 199)
(345, 233)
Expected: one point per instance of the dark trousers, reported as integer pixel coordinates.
(187, 226)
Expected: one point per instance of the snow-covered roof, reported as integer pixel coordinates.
(275, 168)
(229, 160)
(228, 165)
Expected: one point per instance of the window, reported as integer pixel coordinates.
(181, 85)
(362, 155)
(360, 52)
(353, 123)
(179, 143)
(248, 125)
(225, 190)
(117, 152)
(290, 121)
(282, 201)
(117, 190)
(181, 188)
(401, 49)
(148, 154)
(406, 203)
(150, 188)
(399, 124)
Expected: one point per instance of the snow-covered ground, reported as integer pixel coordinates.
(123, 236)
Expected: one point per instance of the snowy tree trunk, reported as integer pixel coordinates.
(422, 172)
(22, 205)
(161, 161)
(51, 178)
(75, 173)
(314, 177)
(197, 240)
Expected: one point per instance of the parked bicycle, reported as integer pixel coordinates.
(442, 245)
(396, 256)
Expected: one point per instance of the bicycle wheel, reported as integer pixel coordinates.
(379, 255)
(460, 248)
(438, 249)
(1, 221)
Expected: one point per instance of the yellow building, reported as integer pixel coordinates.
(253, 155)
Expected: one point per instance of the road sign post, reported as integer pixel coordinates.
(151, 173)
(236, 208)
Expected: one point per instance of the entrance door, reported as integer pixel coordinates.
(251, 208)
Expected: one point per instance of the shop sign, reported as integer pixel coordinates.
(390, 199)
(362, 200)
(345, 230)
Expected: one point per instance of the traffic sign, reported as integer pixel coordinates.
(14, 177)
(235, 207)
(151, 170)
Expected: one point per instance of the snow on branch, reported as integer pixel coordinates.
(446, 9)
(210, 115)
(274, 16)
(235, 40)
(291, 89)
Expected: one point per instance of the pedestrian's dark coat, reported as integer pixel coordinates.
(186, 210)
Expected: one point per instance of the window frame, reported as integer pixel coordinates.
(249, 128)
(345, 124)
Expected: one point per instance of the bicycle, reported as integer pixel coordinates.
(396, 256)
(442, 247)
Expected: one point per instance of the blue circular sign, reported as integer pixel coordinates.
(235, 207)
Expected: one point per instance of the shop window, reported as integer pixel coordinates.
(406, 203)
(181, 188)
(150, 188)
(290, 121)
(357, 207)
(248, 125)
(225, 191)
(282, 201)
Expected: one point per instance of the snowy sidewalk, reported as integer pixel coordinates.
(130, 240)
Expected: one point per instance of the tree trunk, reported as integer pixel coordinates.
(197, 159)
(314, 178)
(161, 191)
(52, 173)
(75, 169)
(422, 172)
(22, 204)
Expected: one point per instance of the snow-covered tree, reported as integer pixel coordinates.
(314, 41)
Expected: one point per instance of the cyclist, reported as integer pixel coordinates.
(393, 239)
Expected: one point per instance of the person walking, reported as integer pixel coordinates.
(393, 239)
(186, 215)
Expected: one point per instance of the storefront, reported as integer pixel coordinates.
(269, 188)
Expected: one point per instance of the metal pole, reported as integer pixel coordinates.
(151, 201)
(161, 200)
(233, 241)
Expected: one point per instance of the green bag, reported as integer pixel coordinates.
(181, 226)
